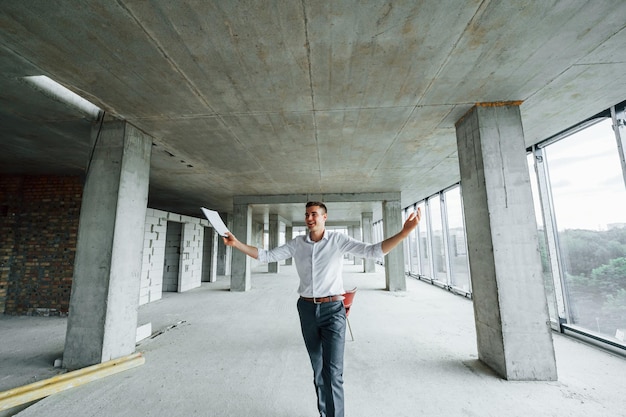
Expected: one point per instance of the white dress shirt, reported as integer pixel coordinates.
(320, 264)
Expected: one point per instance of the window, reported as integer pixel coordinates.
(412, 250)
(546, 239)
(589, 201)
(457, 247)
(437, 240)
(423, 246)
(578, 185)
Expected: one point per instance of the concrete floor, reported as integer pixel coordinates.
(241, 354)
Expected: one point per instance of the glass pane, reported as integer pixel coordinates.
(437, 242)
(412, 247)
(409, 245)
(546, 269)
(590, 206)
(422, 230)
(457, 248)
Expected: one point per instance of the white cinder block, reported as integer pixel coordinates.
(143, 332)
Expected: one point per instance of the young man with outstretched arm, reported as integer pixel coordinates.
(319, 261)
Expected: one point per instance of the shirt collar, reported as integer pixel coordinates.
(324, 236)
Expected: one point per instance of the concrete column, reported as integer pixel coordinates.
(394, 261)
(102, 322)
(274, 229)
(223, 251)
(228, 255)
(367, 226)
(210, 250)
(288, 237)
(240, 265)
(215, 239)
(221, 258)
(349, 256)
(356, 233)
(512, 322)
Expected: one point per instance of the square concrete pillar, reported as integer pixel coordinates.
(394, 260)
(356, 233)
(224, 253)
(274, 233)
(512, 323)
(367, 226)
(102, 322)
(240, 264)
(288, 237)
(213, 242)
(349, 256)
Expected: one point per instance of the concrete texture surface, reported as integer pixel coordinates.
(219, 353)
(281, 97)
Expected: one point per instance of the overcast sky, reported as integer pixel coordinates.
(587, 182)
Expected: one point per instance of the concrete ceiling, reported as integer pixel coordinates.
(247, 98)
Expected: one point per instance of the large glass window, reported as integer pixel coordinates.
(543, 235)
(425, 268)
(437, 239)
(579, 194)
(590, 209)
(413, 247)
(457, 247)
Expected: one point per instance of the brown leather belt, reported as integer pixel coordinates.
(320, 300)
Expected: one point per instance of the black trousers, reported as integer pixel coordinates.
(324, 332)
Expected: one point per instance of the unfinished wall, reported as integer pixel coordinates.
(177, 268)
(192, 238)
(171, 261)
(39, 218)
(153, 255)
(38, 224)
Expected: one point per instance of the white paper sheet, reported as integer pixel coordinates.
(216, 221)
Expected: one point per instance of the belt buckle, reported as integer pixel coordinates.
(315, 300)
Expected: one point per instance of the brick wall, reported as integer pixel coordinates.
(39, 225)
(38, 229)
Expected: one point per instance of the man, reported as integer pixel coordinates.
(319, 258)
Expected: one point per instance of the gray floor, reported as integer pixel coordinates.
(241, 354)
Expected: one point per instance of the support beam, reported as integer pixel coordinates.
(102, 321)
(367, 226)
(512, 322)
(326, 198)
(274, 234)
(288, 237)
(210, 255)
(356, 233)
(394, 261)
(240, 265)
(224, 252)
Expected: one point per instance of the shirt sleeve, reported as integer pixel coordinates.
(362, 249)
(279, 253)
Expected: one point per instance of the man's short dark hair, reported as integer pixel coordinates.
(318, 204)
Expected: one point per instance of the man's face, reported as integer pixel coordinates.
(315, 218)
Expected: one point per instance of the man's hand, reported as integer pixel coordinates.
(230, 239)
(411, 222)
(409, 225)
